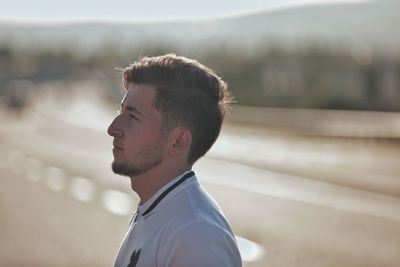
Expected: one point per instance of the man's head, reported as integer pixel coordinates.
(187, 95)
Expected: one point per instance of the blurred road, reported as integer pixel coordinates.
(306, 200)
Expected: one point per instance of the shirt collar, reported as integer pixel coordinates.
(142, 208)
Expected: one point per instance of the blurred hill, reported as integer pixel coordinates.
(374, 22)
(327, 55)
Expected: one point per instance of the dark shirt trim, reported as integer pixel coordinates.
(169, 189)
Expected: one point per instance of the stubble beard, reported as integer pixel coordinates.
(150, 157)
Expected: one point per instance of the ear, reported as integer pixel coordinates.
(181, 139)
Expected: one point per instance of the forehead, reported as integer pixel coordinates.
(139, 94)
(141, 97)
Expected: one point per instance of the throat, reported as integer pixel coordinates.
(146, 187)
(148, 184)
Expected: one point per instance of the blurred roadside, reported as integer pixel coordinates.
(325, 185)
(358, 149)
(384, 126)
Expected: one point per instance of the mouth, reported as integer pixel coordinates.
(117, 147)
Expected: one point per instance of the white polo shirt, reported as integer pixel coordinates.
(181, 225)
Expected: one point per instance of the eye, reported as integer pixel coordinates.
(133, 116)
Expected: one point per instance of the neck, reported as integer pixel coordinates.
(147, 184)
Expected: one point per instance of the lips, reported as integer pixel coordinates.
(117, 146)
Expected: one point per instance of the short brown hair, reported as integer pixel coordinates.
(188, 94)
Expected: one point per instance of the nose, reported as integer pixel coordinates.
(113, 129)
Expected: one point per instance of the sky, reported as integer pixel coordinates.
(138, 10)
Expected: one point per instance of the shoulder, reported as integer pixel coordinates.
(188, 201)
(201, 243)
(194, 210)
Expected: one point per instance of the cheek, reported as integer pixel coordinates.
(141, 134)
(140, 139)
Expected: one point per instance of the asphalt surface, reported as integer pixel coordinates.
(60, 204)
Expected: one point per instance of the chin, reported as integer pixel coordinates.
(119, 168)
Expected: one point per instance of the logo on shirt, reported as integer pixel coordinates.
(134, 258)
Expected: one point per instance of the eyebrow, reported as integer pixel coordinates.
(132, 109)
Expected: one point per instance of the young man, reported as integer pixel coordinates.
(170, 117)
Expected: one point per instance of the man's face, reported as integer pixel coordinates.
(138, 144)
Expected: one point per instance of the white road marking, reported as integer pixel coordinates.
(117, 202)
(55, 178)
(82, 189)
(15, 161)
(35, 170)
(249, 250)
